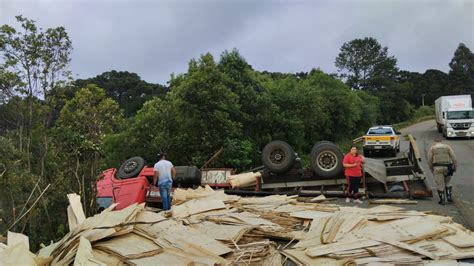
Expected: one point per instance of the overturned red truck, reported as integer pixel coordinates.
(281, 173)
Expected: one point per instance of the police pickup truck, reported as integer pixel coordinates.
(379, 139)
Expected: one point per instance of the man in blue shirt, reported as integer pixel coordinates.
(163, 178)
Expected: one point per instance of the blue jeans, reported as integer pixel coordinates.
(165, 194)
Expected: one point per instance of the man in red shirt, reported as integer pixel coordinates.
(353, 170)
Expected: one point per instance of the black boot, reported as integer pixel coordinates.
(449, 194)
(441, 197)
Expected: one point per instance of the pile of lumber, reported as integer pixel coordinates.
(208, 227)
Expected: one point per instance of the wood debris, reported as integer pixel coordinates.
(207, 227)
(320, 198)
(392, 201)
(244, 180)
(75, 213)
(15, 238)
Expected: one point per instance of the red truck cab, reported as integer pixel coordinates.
(131, 183)
(124, 192)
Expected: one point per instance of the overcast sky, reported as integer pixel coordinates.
(157, 38)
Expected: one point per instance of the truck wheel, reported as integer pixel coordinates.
(366, 152)
(394, 153)
(445, 134)
(278, 156)
(131, 167)
(326, 159)
(440, 129)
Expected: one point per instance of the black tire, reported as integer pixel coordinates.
(326, 159)
(131, 168)
(278, 156)
(440, 128)
(366, 152)
(393, 153)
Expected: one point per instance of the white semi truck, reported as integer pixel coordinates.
(455, 116)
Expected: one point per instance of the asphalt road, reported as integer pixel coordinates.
(463, 180)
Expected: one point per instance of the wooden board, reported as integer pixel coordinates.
(15, 238)
(76, 206)
(196, 206)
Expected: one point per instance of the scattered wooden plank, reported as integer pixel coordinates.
(196, 206)
(173, 256)
(129, 246)
(340, 246)
(311, 214)
(409, 247)
(75, 211)
(15, 238)
(209, 227)
(17, 254)
(393, 201)
(299, 257)
(320, 198)
(463, 238)
(84, 255)
(222, 232)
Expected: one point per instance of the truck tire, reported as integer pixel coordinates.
(326, 159)
(393, 152)
(440, 128)
(278, 156)
(445, 134)
(367, 152)
(131, 168)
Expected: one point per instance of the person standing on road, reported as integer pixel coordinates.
(164, 173)
(352, 163)
(442, 162)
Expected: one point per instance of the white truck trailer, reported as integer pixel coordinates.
(455, 116)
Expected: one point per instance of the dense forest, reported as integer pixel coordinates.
(57, 134)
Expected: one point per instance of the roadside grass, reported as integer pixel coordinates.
(421, 114)
(402, 125)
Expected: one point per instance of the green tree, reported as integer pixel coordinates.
(365, 64)
(369, 106)
(461, 75)
(128, 89)
(426, 87)
(237, 154)
(142, 135)
(36, 61)
(39, 57)
(394, 106)
(202, 110)
(341, 105)
(252, 98)
(83, 124)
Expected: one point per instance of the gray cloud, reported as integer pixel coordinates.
(157, 38)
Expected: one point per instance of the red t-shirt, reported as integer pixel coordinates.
(350, 159)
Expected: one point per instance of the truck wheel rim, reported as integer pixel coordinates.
(130, 166)
(277, 156)
(327, 161)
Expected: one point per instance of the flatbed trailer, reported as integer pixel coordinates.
(401, 177)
